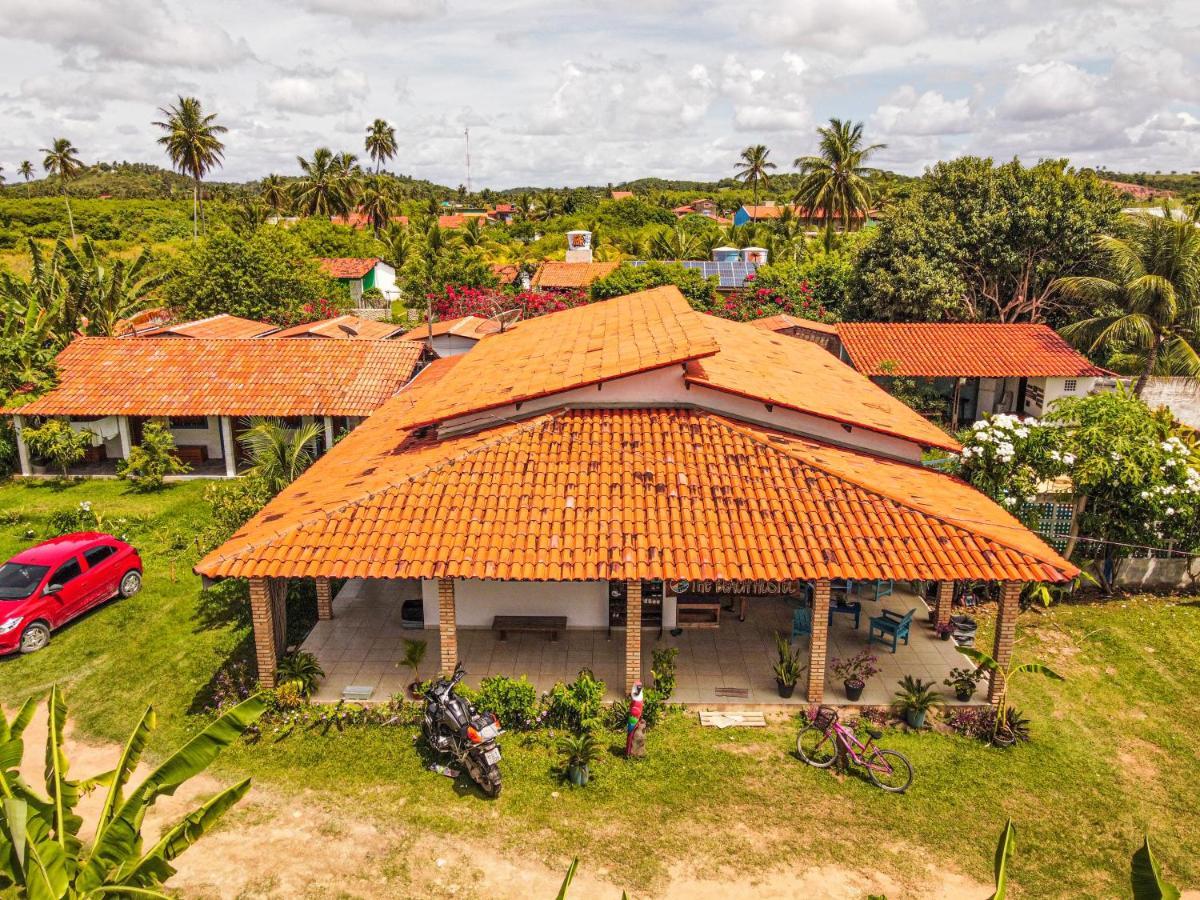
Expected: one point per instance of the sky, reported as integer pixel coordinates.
(600, 91)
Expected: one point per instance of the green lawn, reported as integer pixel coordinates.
(1113, 753)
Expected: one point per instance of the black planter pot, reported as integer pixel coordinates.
(785, 690)
(945, 636)
(964, 696)
(854, 689)
(1003, 739)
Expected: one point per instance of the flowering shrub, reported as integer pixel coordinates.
(1007, 457)
(863, 666)
(757, 302)
(455, 301)
(324, 308)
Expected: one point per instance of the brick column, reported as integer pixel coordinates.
(1006, 630)
(945, 597)
(262, 614)
(324, 599)
(820, 641)
(447, 626)
(633, 633)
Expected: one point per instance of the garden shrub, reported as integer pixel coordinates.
(578, 705)
(513, 700)
(58, 443)
(662, 670)
(8, 448)
(232, 504)
(81, 518)
(151, 460)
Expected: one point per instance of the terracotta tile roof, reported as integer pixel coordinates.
(800, 375)
(572, 348)
(360, 220)
(345, 327)
(507, 274)
(783, 321)
(552, 274)
(967, 350)
(455, 220)
(141, 322)
(774, 212)
(620, 195)
(474, 327)
(172, 377)
(624, 493)
(220, 326)
(347, 266)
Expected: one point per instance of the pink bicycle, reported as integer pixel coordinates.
(819, 745)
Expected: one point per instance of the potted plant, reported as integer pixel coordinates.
(1004, 734)
(788, 667)
(964, 682)
(914, 700)
(855, 672)
(578, 751)
(414, 655)
(944, 631)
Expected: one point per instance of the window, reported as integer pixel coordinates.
(97, 555)
(195, 422)
(17, 580)
(68, 570)
(1069, 385)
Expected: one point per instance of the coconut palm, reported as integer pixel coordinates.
(380, 143)
(1, 174)
(1155, 292)
(676, 242)
(193, 145)
(278, 454)
(25, 170)
(835, 181)
(322, 189)
(61, 162)
(753, 166)
(377, 201)
(274, 193)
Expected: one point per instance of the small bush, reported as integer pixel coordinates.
(8, 448)
(151, 460)
(81, 518)
(654, 707)
(578, 705)
(302, 670)
(58, 444)
(513, 700)
(973, 721)
(662, 671)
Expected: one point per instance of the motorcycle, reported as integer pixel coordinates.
(454, 726)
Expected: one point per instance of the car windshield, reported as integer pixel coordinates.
(18, 580)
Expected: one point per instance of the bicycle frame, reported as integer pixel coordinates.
(852, 746)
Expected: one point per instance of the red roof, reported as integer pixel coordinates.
(962, 350)
(219, 326)
(359, 220)
(621, 195)
(452, 221)
(774, 212)
(167, 376)
(784, 322)
(348, 267)
(471, 327)
(341, 327)
(560, 275)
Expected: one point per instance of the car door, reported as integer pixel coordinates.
(70, 594)
(102, 575)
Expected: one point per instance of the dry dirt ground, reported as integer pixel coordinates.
(297, 846)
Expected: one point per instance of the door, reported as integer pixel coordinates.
(103, 575)
(70, 596)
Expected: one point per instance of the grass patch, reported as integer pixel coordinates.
(1113, 753)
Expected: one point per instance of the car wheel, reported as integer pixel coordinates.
(131, 583)
(35, 637)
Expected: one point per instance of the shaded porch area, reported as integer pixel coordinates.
(363, 643)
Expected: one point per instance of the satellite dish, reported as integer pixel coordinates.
(350, 332)
(500, 321)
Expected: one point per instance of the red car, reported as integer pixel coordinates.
(46, 586)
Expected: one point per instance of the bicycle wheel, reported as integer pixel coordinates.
(816, 747)
(890, 771)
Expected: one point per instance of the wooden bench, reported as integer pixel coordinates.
(192, 454)
(550, 625)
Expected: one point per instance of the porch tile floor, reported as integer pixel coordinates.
(363, 643)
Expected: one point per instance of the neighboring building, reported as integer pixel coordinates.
(202, 387)
(146, 320)
(732, 267)
(620, 195)
(341, 328)
(362, 274)
(820, 333)
(568, 276)
(502, 213)
(452, 221)
(219, 326)
(1178, 394)
(452, 337)
(980, 368)
(770, 211)
(360, 221)
(505, 273)
(627, 466)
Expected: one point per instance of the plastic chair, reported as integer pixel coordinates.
(801, 622)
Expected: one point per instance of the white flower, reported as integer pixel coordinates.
(1069, 458)
(981, 425)
(1021, 432)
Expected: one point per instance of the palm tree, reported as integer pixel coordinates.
(192, 144)
(835, 181)
(1, 174)
(321, 190)
(25, 170)
(1155, 290)
(61, 162)
(278, 454)
(274, 193)
(380, 143)
(676, 243)
(753, 167)
(377, 201)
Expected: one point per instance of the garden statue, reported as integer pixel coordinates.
(635, 728)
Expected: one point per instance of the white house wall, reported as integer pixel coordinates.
(666, 387)
(385, 280)
(209, 437)
(452, 345)
(584, 603)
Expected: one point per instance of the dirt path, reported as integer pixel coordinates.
(273, 845)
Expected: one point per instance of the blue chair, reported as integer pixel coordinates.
(890, 627)
(883, 588)
(801, 622)
(846, 609)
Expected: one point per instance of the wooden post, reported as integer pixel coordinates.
(447, 626)
(324, 599)
(945, 597)
(820, 641)
(228, 447)
(263, 613)
(1006, 631)
(633, 633)
(22, 449)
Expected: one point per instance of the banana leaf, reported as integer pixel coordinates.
(1004, 851)
(1146, 877)
(570, 876)
(130, 757)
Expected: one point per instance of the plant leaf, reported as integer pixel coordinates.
(130, 757)
(570, 876)
(1146, 877)
(979, 658)
(1004, 851)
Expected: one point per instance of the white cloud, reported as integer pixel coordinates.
(373, 13)
(315, 92)
(1050, 89)
(848, 26)
(906, 112)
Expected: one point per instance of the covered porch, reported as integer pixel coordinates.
(359, 642)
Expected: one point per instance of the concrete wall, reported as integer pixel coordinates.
(452, 344)
(584, 603)
(1158, 574)
(209, 438)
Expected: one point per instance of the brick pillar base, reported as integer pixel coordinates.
(447, 626)
(324, 599)
(1006, 632)
(262, 614)
(820, 641)
(945, 597)
(633, 634)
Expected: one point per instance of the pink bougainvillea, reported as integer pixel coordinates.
(753, 302)
(456, 301)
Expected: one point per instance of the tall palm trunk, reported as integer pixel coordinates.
(70, 218)
(1151, 365)
(195, 209)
